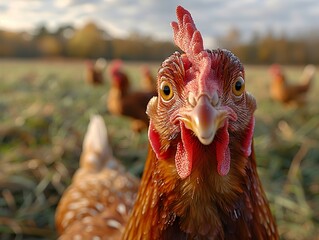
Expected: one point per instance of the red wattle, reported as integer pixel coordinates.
(222, 151)
(185, 153)
(182, 162)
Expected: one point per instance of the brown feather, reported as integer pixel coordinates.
(170, 208)
(101, 195)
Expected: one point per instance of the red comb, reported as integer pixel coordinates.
(186, 36)
(276, 69)
(115, 66)
(189, 40)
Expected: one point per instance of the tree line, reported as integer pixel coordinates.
(87, 42)
(90, 41)
(271, 48)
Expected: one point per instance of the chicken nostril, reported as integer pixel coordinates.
(191, 99)
(215, 99)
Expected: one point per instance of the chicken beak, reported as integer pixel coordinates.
(205, 119)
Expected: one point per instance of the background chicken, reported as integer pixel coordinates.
(287, 92)
(99, 200)
(148, 80)
(95, 71)
(126, 102)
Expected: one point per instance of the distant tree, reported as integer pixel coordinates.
(248, 51)
(138, 47)
(63, 34)
(87, 42)
(49, 46)
(41, 31)
(282, 50)
(266, 49)
(25, 47)
(90, 41)
(231, 39)
(298, 52)
(312, 50)
(6, 43)
(13, 44)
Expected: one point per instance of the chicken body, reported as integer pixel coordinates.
(95, 71)
(288, 93)
(148, 80)
(123, 101)
(98, 202)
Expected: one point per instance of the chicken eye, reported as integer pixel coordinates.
(166, 91)
(239, 86)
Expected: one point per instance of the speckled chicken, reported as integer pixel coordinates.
(285, 91)
(123, 101)
(101, 195)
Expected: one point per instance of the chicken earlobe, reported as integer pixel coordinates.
(155, 142)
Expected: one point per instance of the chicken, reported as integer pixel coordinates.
(200, 179)
(94, 71)
(288, 93)
(148, 80)
(101, 194)
(119, 79)
(123, 101)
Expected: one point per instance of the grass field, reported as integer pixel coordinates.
(45, 107)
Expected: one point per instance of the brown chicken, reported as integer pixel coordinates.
(200, 179)
(148, 80)
(101, 194)
(286, 92)
(95, 71)
(123, 101)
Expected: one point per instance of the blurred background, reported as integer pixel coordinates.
(259, 32)
(49, 90)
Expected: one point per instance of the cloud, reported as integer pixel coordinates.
(62, 3)
(151, 17)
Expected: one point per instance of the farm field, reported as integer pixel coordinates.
(45, 106)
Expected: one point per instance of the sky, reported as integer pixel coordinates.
(214, 18)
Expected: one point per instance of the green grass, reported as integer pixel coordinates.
(45, 108)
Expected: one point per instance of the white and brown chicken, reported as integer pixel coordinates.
(101, 194)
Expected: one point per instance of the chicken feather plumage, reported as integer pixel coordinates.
(101, 195)
(287, 92)
(200, 179)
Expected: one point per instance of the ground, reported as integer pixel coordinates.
(45, 106)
